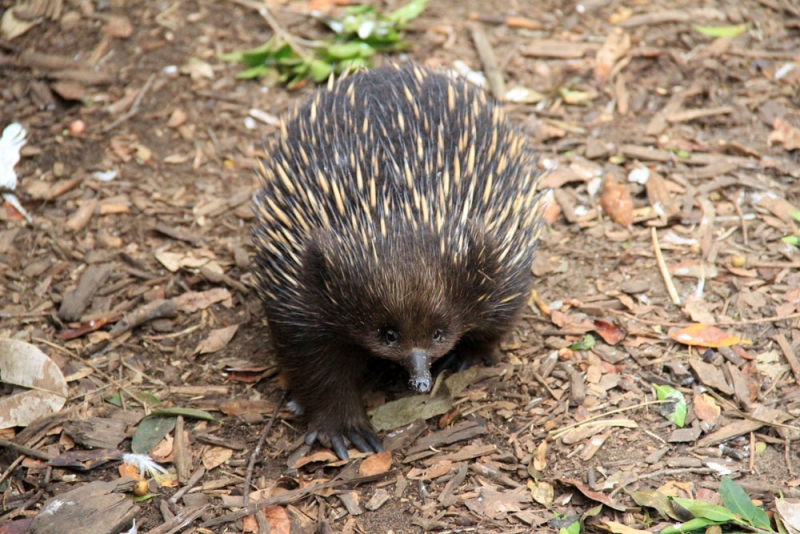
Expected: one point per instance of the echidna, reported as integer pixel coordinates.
(397, 219)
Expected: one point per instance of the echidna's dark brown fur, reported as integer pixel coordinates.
(397, 220)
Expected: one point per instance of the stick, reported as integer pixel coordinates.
(257, 450)
(489, 60)
(673, 294)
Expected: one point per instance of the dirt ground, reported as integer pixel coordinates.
(138, 173)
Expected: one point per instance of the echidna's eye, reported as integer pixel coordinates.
(438, 335)
(391, 337)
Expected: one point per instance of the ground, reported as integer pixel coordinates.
(137, 175)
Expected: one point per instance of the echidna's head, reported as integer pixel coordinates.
(403, 300)
(414, 324)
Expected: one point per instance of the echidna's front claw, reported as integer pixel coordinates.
(364, 440)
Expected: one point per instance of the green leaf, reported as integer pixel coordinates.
(714, 512)
(723, 31)
(792, 240)
(573, 528)
(407, 13)
(735, 498)
(254, 72)
(194, 413)
(795, 215)
(351, 50)
(674, 411)
(586, 343)
(698, 523)
(150, 431)
(320, 70)
(115, 399)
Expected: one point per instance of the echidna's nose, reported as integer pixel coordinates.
(419, 370)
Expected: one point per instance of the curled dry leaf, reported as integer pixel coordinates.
(24, 365)
(616, 201)
(705, 336)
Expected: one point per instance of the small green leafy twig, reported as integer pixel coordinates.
(360, 33)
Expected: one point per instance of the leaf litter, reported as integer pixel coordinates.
(678, 280)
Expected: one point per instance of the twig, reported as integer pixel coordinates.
(257, 450)
(673, 294)
(27, 451)
(489, 61)
(11, 467)
(752, 463)
(134, 108)
(742, 219)
(788, 353)
(654, 474)
(196, 476)
(277, 28)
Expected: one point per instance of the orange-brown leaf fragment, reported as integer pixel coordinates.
(706, 409)
(616, 201)
(702, 335)
(610, 333)
(376, 464)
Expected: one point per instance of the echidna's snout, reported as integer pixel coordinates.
(419, 370)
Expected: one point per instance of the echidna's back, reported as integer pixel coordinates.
(397, 147)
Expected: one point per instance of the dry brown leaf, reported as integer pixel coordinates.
(705, 336)
(375, 464)
(706, 409)
(785, 134)
(435, 471)
(610, 333)
(217, 339)
(697, 309)
(616, 201)
(216, 456)
(191, 301)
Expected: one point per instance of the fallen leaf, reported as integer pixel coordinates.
(616, 201)
(191, 301)
(217, 339)
(375, 464)
(435, 471)
(45, 389)
(216, 456)
(706, 409)
(541, 492)
(701, 335)
(610, 333)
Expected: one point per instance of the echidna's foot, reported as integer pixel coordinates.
(364, 439)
